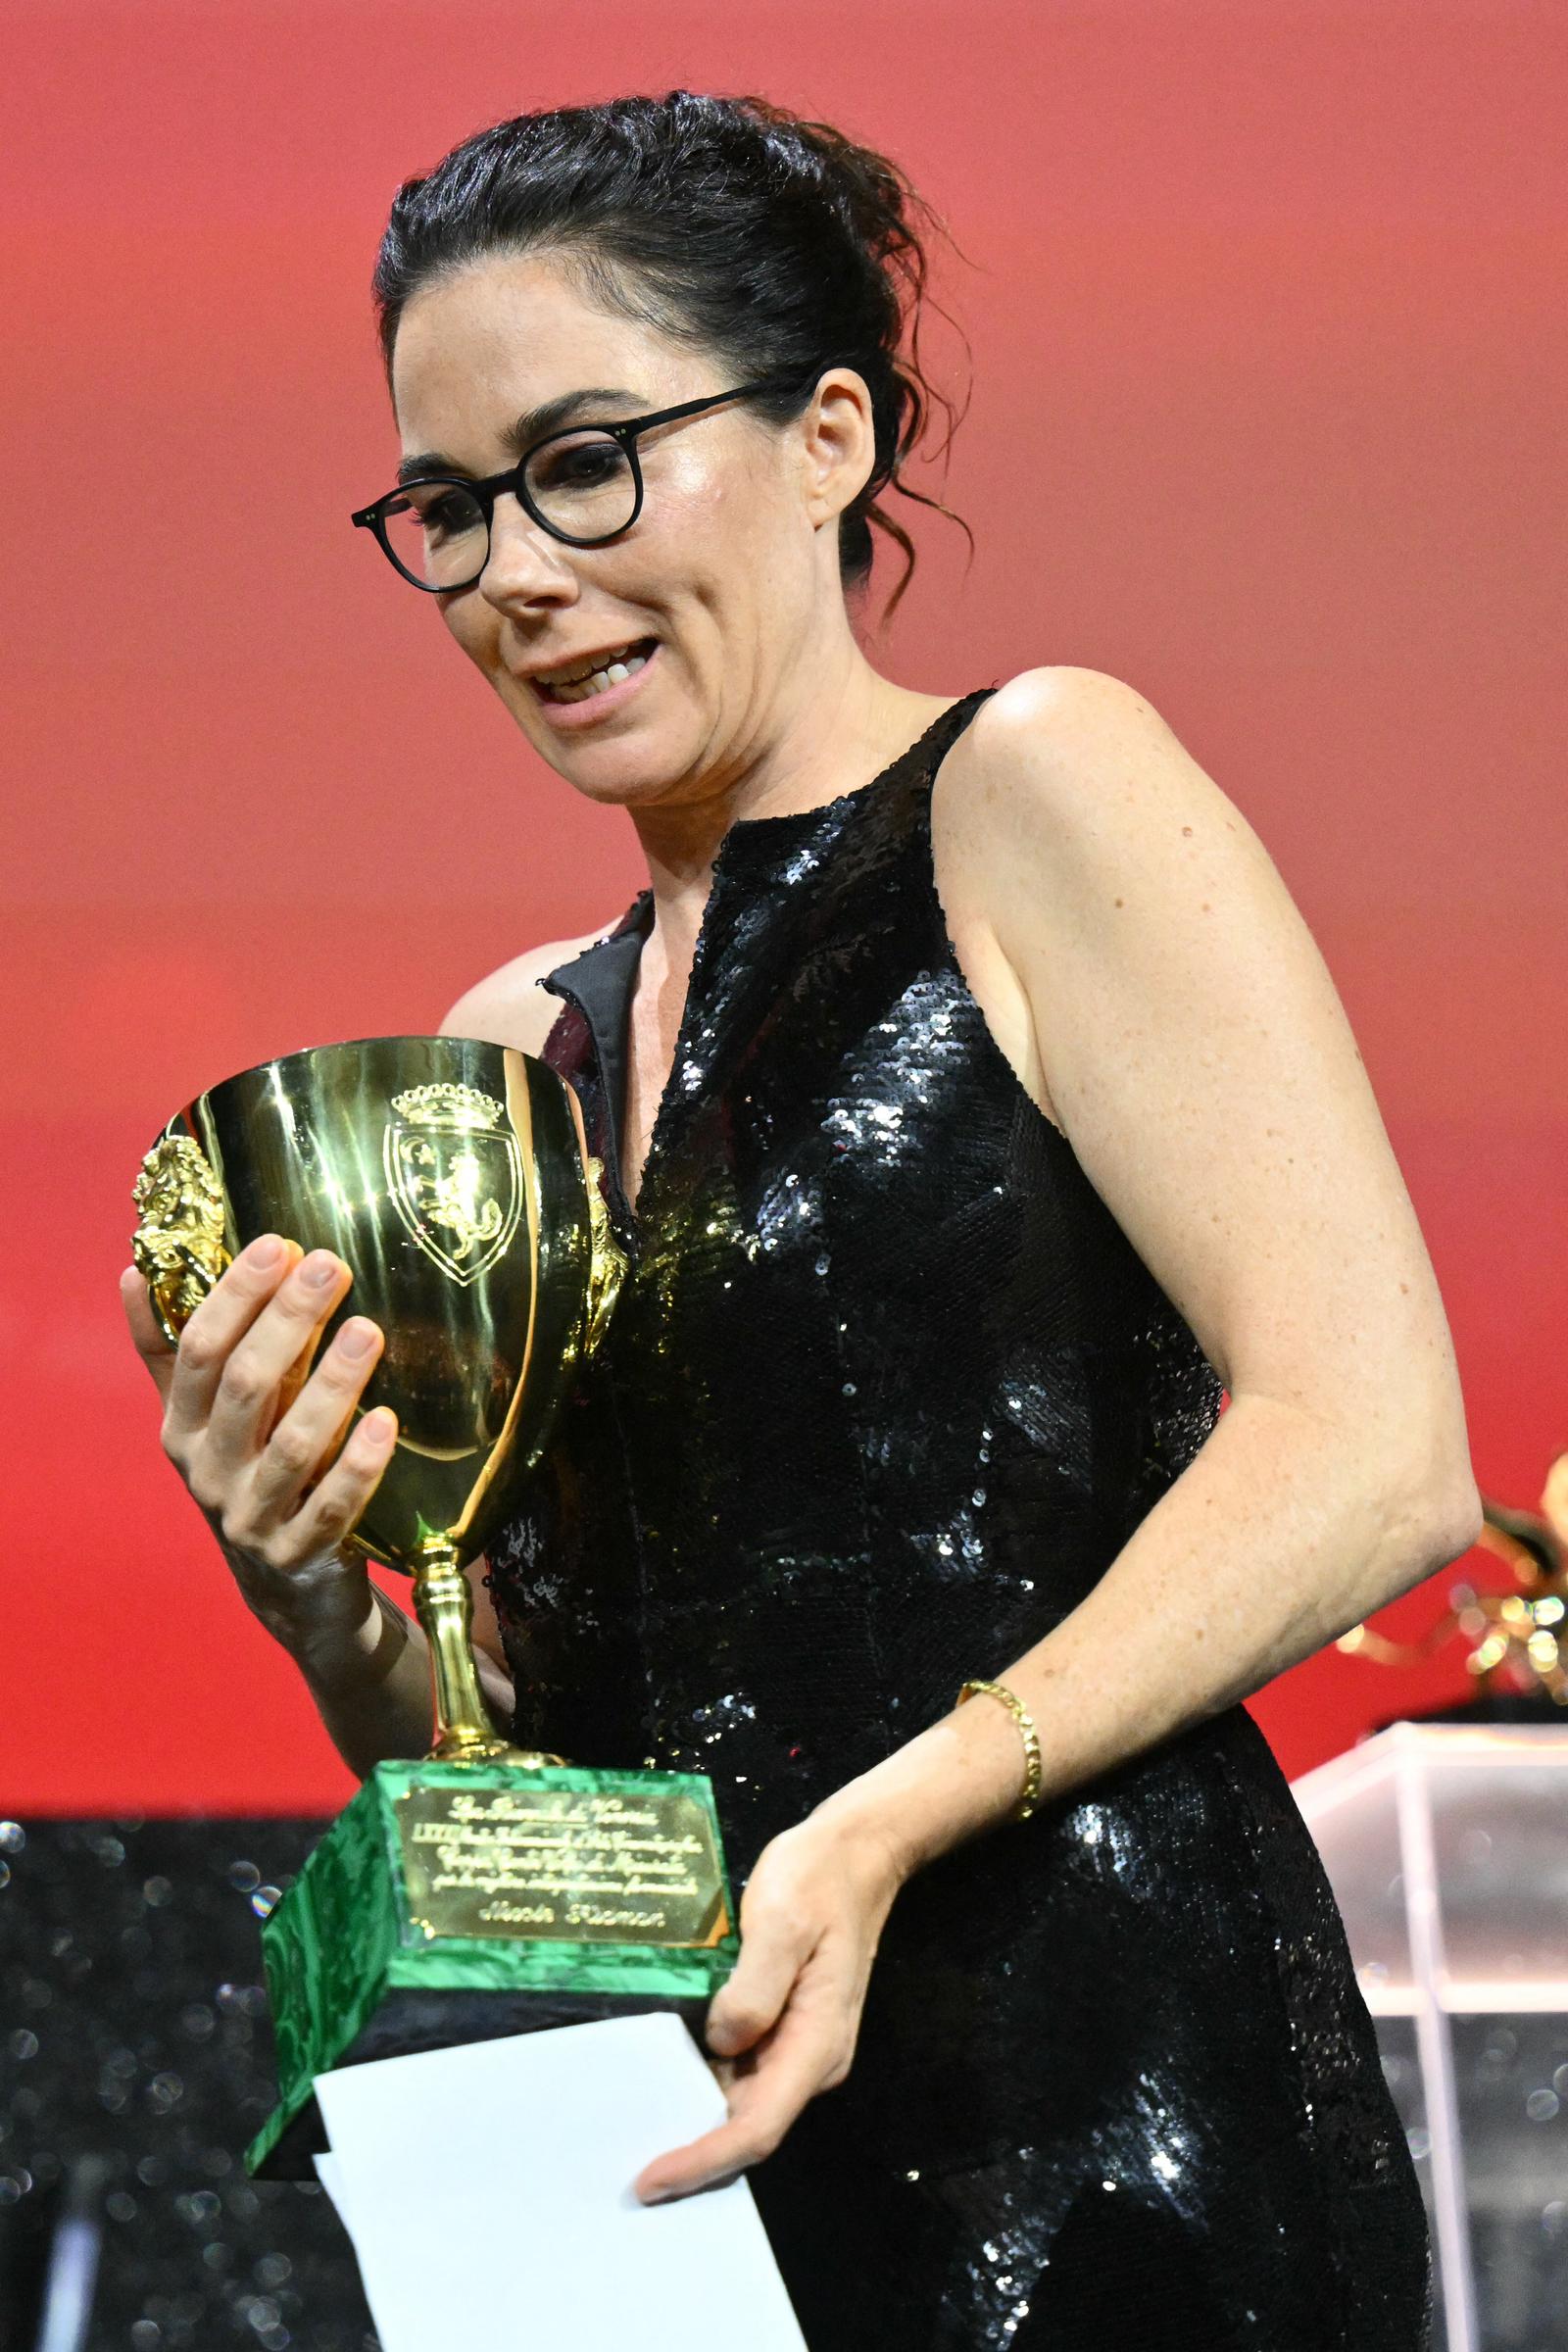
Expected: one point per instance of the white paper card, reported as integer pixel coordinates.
(490, 2185)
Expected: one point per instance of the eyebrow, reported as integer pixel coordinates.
(532, 425)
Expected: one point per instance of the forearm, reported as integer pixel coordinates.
(373, 1692)
(1271, 1542)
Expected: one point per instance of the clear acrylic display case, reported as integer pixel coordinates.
(1447, 1845)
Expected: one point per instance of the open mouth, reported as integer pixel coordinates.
(584, 683)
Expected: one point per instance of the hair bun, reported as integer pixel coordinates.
(870, 192)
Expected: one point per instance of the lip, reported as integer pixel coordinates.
(568, 718)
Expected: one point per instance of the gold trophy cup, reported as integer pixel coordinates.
(467, 1894)
(454, 1179)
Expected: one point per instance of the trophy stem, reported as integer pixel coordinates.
(444, 1607)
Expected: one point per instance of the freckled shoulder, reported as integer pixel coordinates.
(1064, 770)
(1033, 725)
(987, 823)
(508, 1007)
(1051, 822)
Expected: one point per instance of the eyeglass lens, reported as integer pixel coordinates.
(582, 483)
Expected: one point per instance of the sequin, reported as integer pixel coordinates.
(1115, 2082)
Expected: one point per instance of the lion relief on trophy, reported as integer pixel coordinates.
(179, 1244)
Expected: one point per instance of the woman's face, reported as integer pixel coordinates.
(728, 581)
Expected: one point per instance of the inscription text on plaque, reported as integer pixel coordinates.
(575, 1865)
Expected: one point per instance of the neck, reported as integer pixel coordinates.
(828, 735)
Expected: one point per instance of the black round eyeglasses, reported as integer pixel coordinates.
(583, 486)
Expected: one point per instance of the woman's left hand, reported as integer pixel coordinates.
(784, 2026)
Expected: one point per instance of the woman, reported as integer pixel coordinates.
(974, 1105)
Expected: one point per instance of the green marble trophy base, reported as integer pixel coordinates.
(457, 1902)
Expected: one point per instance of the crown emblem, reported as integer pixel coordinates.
(445, 1105)
(455, 1175)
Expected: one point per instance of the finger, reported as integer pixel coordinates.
(311, 1433)
(156, 1352)
(218, 1322)
(762, 2105)
(298, 1371)
(337, 1505)
(244, 1403)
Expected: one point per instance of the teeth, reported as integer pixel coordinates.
(597, 681)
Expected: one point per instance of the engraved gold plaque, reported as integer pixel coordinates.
(570, 1865)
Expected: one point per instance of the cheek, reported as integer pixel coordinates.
(475, 627)
(721, 517)
(753, 517)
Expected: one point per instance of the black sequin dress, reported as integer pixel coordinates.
(887, 1390)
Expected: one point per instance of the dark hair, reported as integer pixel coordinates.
(734, 227)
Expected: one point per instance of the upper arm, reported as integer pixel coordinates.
(1204, 1068)
(509, 1008)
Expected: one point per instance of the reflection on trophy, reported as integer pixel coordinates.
(487, 1889)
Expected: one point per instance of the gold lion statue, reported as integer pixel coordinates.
(178, 1244)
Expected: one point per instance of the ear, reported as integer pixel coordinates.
(839, 443)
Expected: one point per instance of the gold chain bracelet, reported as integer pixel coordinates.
(1031, 1739)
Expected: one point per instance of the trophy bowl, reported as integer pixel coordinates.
(453, 1178)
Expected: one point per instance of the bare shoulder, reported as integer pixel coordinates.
(508, 1007)
(1089, 852)
(1065, 784)
(1064, 747)
(1073, 806)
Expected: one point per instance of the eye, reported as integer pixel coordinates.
(439, 510)
(580, 464)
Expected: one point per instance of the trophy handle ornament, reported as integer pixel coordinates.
(180, 1245)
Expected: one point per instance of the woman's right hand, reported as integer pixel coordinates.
(259, 1436)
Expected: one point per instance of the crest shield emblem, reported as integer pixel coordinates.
(454, 1174)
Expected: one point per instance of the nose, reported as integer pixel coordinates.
(525, 567)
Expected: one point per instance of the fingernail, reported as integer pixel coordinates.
(357, 1339)
(265, 1250)
(378, 1428)
(320, 1269)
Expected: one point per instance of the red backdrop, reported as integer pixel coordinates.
(1265, 306)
